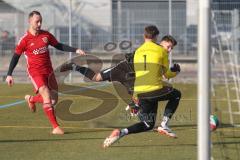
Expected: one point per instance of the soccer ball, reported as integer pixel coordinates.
(214, 122)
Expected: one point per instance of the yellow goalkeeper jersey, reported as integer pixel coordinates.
(150, 64)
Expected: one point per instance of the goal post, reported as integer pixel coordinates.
(204, 152)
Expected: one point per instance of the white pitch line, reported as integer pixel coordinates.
(229, 129)
(45, 127)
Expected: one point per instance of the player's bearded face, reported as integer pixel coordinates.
(35, 22)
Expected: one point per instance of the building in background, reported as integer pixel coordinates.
(95, 23)
(11, 22)
(90, 19)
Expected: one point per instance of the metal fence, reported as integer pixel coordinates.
(122, 30)
(125, 23)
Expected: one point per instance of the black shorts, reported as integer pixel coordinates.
(122, 73)
(161, 94)
(149, 100)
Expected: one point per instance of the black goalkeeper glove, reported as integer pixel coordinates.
(175, 68)
(133, 108)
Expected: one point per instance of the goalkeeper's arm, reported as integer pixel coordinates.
(173, 71)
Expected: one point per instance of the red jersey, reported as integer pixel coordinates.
(36, 52)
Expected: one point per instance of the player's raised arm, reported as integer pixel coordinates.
(12, 65)
(63, 47)
(67, 48)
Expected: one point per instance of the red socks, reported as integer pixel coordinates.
(49, 111)
(36, 99)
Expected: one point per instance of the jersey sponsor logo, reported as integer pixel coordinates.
(31, 44)
(45, 39)
(40, 50)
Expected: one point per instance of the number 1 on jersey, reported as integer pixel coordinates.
(145, 64)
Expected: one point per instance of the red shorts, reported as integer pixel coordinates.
(48, 80)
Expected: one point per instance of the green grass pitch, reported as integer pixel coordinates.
(25, 135)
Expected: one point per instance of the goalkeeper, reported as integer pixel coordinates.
(150, 65)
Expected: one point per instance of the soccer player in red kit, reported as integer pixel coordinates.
(34, 45)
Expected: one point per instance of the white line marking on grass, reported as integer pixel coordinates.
(12, 104)
(46, 127)
(229, 129)
(81, 89)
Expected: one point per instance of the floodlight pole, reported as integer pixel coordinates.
(70, 34)
(204, 151)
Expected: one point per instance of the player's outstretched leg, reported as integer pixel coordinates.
(31, 105)
(113, 137)
(87, 72)
(135, 128)
(68, 67)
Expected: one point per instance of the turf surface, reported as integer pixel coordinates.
(26, 135)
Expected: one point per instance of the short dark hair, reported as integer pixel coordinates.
(169, 38)
(34, 13)
(151, 32)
